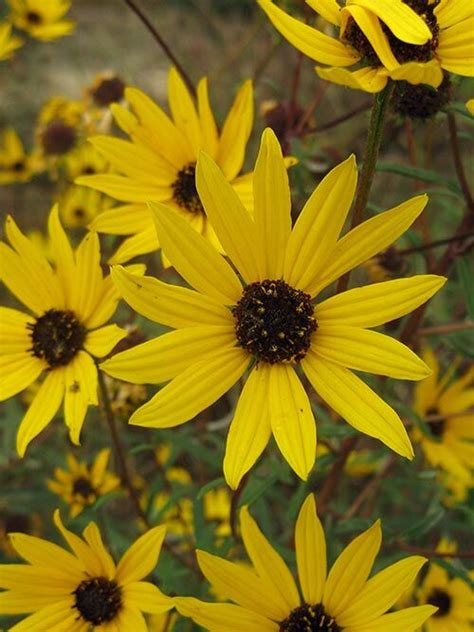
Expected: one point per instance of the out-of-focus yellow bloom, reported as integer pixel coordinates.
(79, 205)
(84, 160)
(217, 509)
(385, 266)
(81, 485)
(59, 126)
(8, 42)
(12, 521)
(42, 19)
(470, 106)
(15, 164)
(107, 88)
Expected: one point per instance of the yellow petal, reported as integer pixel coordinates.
(88, 277)
(184, 112)
(15, 335)
(87, 556)
(217, 617)
(378, 303)
(310, 546)
(194, 258)
(408, 620)
(449, 13)
(193, 390)
(351, 398)
(80, 391)
(142, 557)
(369, 238)
(319, 225)
(101, 341)
(310, 41)
(44, 554)
(17, 372)
(268, 563)
(146, 597)
(42, 409)
(351, 569)
(327, 9)
(63, 256)
(291, 418)
(167, 304)
(123, 220)
(124, 188)
(94, 540)
(272, 207)
(456, 48)
(141, 243)
(367, 79)
(50, 616)
(207, 121)
(23, 578)
(250, 428)
(429, 73)
(232, 223)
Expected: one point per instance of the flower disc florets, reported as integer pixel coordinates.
(309, 618)
(57, 336)
(403, 51)
(33, 17)
(184, 189)
(58, 137)
(98, 600)
(274, 322)
(420, 101)
(438, 425)
(82, 487)
(441, 600)
(109, 90)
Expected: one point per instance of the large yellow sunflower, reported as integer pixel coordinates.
(266, 321)
(64, 328)
(411, 40)
(344, 599)
(42, 19)
(83, 590)
(158, 164)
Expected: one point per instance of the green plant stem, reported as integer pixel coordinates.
(234, 505)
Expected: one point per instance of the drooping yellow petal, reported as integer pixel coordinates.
(351, 398)
(429, 73)
(366, 350)
(167, 304)
(17, 372)
(207, 121)
(80, 391)
(142, 557)
(456, 48)
(310, 41)
(351, 569)
(369, 238)
(378, 303)
(310, 544)
(146, 597)
(272, 207)
(217, 617)
(319, 225)
(42, 409)
(381, 591)
(368, 79)
(291, 418)
(193, 390)
(242, 586)
(327, 9)
(231, 221)
(268, 563)
(235, 132)
(101, 341)
(163, 358)
(194, 258)
(184, 112)
(250, 429)
(408, 620)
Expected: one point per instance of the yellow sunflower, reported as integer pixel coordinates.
(42, 19)
(79, 205)
(266, 321)
(344, 599)
(15, 164)
(410, 40)
(62, 331)
(447, 407)
(80, 485)
(8, 42)
(159, 162)
(83, 590)
(470, 106)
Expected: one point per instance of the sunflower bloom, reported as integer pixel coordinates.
(81, 486)
(266, 321)
(63, 330)
(447, 409)
(267, 598)
(410, 40)
(82, 590)
(158, 164)
(8, 42)
(42, 19)
(15, 164)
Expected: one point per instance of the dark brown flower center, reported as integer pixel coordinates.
(18, 166)
(82, 487)
(108, 91)
(274, 322)
(403, 51)
(420, 101)
(184, 189)
(441, 600)
(309, 618)
(58, 137)
(436, 426)
(17, 522)
(98, 600)
(57, 336)
(33, 17)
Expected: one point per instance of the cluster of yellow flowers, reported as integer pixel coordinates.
(260, 308)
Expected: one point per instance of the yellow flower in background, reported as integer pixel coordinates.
(42, 19)
(158, 164)
(84, 160)
(446, 405)
(62, 331)
(107, 88)
(59, 126)
(386, 265)
(85, 589)
(268, 599)
(470, 106)
(217, 504)
(15, 164)
(79, 205)
(81, 485)
(410, 40)
(266, 322)
(8, 42)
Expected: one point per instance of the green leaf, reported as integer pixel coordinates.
(426, 175)
(217, 482)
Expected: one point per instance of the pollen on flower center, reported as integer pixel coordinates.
(98, 600)
(436, 426)
(57, 336)
(82, 487)
(403, 52)
(309, 618)
(441, 600)
(274, 322)
(184, 189)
